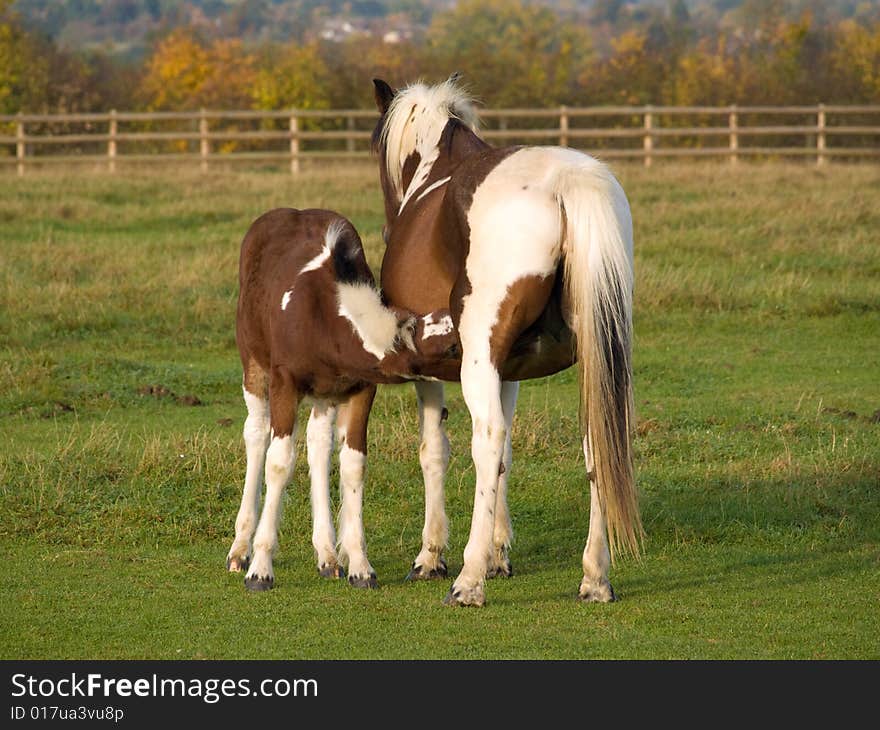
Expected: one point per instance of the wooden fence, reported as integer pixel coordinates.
(646, 133)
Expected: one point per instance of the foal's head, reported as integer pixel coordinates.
(408, 135)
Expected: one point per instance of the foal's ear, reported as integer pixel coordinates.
(383, 94)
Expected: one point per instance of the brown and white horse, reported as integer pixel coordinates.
(531, 250)
(310, 324)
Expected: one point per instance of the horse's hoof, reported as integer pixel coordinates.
(331, 570)
(237, 565)
(418, 572)
(258, 583)
(363, 581)
(596, 592)
(503, 570)
(465, 597)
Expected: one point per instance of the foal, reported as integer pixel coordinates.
(311, 323)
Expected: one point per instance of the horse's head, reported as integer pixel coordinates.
(408, 135)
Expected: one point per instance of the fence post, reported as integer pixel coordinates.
(111, 143)
(19, 144)
(294, 144)
(204, 143)
(349, 141)
(732, 123)
(649, 140)
(820, 136)
(563, 126)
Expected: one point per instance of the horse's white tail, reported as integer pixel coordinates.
(597, 251)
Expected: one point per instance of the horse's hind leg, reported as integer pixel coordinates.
(434, 458)
(597, 559)
(353, 418)
(499, 562)
(283, 402)
(256, 439)
(319, 443)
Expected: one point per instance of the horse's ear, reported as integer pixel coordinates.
(383, 94)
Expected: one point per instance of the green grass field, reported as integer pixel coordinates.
(757, 371)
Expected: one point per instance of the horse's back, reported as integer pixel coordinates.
(278, 250)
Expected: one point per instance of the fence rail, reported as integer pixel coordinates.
(821, 133)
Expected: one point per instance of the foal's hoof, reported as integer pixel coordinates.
(419, 572)
(331, 570)
(591, 591)
(465, 597)
(363, 581)
(237, 565)
(259, 582)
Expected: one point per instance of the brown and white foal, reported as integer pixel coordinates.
(311, 324)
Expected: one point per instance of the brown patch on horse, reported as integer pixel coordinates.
(255, 380)
(525, 301)
(353, 417)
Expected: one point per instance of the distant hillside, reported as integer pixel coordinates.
(127, 28)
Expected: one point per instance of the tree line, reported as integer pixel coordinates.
(510, 52)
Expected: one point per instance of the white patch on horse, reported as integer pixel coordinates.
(420, 176)
(375, 324)
(352, 545)
(319, 445)
(442, 326)
(334, 231)
(515, 226)
(414, 123)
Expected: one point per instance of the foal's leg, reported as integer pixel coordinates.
(499, 562)
(256, 439)
(353, 418)
(319, 443)
(434, 458)
(595, 586)
(283, 402)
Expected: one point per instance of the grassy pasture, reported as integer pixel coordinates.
(757, 367)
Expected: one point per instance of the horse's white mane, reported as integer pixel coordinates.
(414, 122)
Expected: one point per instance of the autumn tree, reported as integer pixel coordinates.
(855, 62)
(185, 72)
(291, 76)
(24, 71)
(513, 52)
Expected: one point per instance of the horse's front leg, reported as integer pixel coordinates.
(434, 458)
(256, 439)
(283, 402)
(319, 443)
(352, 423)
(499, 561)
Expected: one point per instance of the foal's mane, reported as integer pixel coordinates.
(415, 121)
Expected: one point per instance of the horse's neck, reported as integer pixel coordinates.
(459, 142)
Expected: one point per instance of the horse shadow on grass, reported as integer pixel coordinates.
(775, 531)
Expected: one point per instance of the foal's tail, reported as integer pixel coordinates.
(597, 251)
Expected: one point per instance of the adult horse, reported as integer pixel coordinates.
(531, 249)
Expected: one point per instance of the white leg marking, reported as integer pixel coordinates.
(434, 458)
(256, 439)
(352, 544)
(503, 534)
(319, 443)
(597, 558)
(279, 469)
(481, 387)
